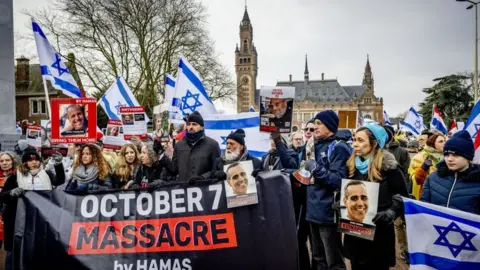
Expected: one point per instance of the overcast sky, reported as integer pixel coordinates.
(410, 42)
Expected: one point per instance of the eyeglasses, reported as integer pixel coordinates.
(309, 129)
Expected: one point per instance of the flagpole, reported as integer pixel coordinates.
(49, 109)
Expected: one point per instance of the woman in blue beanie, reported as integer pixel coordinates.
(456, 183)
(371, 163)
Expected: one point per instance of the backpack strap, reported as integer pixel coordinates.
(332, 145)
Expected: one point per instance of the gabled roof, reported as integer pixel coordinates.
(322, 91)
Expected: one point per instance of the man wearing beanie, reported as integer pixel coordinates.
(328, 169)
(194, 156)
(456, 183)
(235, 151)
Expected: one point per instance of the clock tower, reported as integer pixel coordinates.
(246, 66)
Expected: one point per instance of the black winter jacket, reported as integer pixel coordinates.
(380, 251)
(401, 156)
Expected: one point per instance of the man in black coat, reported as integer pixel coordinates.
(194, 156)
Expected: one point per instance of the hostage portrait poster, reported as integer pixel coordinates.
(276, 109)
(358, 204)
(240, 186)
(74, 120)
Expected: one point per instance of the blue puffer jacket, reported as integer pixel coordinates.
(457, 190)
(328, 178)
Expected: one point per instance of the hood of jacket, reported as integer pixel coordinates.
(389, 162)
(472, 173)
(393, 145)
(343, 134)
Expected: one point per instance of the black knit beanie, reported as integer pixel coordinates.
(195, 117)
(238, 136)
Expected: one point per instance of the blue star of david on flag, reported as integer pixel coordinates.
(187, 106)
(118, 107)
(57, 65)
(477, 126)
(442, 240)
(224, 139)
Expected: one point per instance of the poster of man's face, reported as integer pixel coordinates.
(74, 120)
(32, 134)
(240, 185)
(276, 111)
(360, 200)
(113, 131)
(127, 119)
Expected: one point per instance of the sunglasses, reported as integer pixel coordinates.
(309, 129)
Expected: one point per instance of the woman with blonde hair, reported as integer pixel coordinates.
(90, 170)
(127, 166)
(424, 163)
(371, 163)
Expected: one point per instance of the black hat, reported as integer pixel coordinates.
(238, 136)
(30, 155)
(461, 144)
(390, 132)
(195, 117)
(330, 119)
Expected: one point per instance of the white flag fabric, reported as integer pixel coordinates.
(219, 126)
(413, 122)
(52, 66)
(386, 120)
(169, 90)
(190, 95)
(437, 121)
(473, 126)
(440, 237)
(118, 95)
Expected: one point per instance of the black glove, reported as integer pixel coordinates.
(276, 137)
(194, 179)
(17, 192)
(155, 184)
(96, 187)
(311, 166)
(255, 172)
(158, 147)
(384, 217)
(135, 186)
(219, 175)
(427, 164)
(57, 158)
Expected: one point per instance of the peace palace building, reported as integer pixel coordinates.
(311, 96)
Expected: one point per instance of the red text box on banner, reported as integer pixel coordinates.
(74, 120)
(134, 122)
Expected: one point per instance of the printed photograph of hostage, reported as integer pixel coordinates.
(127, 119)
(73, 120)
(358, 204)
(278, 115)
(240, 186)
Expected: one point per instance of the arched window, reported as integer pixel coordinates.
(241, 60)
(248, 60)
(245, 47)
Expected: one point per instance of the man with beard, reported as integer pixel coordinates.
(237, 179)
(282, 112)
(78, 124)
(194, 156)
(356, 201)
(235, 151)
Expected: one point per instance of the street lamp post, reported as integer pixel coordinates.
(475, 79)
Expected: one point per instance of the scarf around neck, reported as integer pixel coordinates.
(85, 175)
(195, 137)
(362, 166)
(433, 153)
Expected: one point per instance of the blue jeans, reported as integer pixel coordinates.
(9, 261)
(326, 247)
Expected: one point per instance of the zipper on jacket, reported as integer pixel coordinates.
(451, 190)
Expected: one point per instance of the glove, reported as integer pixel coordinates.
(17, 192)
(155, 184)
(158, 147)
(255, 172)
(427, 164)
(96, 187)
(57, 158)
(384, 217)
(276, 137)
(311, 166)
(135, 186)
(194, 179)
(219, 175)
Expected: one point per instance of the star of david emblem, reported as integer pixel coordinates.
(418, 124)
(118, 107)
(58, 65)
(477, 126)
(186, 105)
(454, 249)
(224, 139)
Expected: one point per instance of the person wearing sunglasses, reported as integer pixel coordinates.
(308, 130)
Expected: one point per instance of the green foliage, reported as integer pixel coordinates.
(452, 95)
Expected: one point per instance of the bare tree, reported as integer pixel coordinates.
(140, 40)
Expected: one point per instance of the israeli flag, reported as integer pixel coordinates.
(440, 237)
(118, 95)
(190, 95)
(219, 126)
(413, 122)
(437, 121)
(386, 119)
(169, 90)
(52, 66)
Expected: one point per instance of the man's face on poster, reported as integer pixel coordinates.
(356, 202)
(237, 179)
(76, 117)
(279, 107)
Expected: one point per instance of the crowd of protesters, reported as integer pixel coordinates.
(429, 167)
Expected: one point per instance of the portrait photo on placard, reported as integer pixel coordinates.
(127, 119)
(360, 199)
(240, 185)
(113, 131)
(33, 134)
(73, 120)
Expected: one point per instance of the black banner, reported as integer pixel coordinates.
(176, 227)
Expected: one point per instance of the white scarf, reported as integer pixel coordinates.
(25, 181)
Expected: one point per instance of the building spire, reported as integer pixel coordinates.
(368, 69)
(246, 18)
(306, 73)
